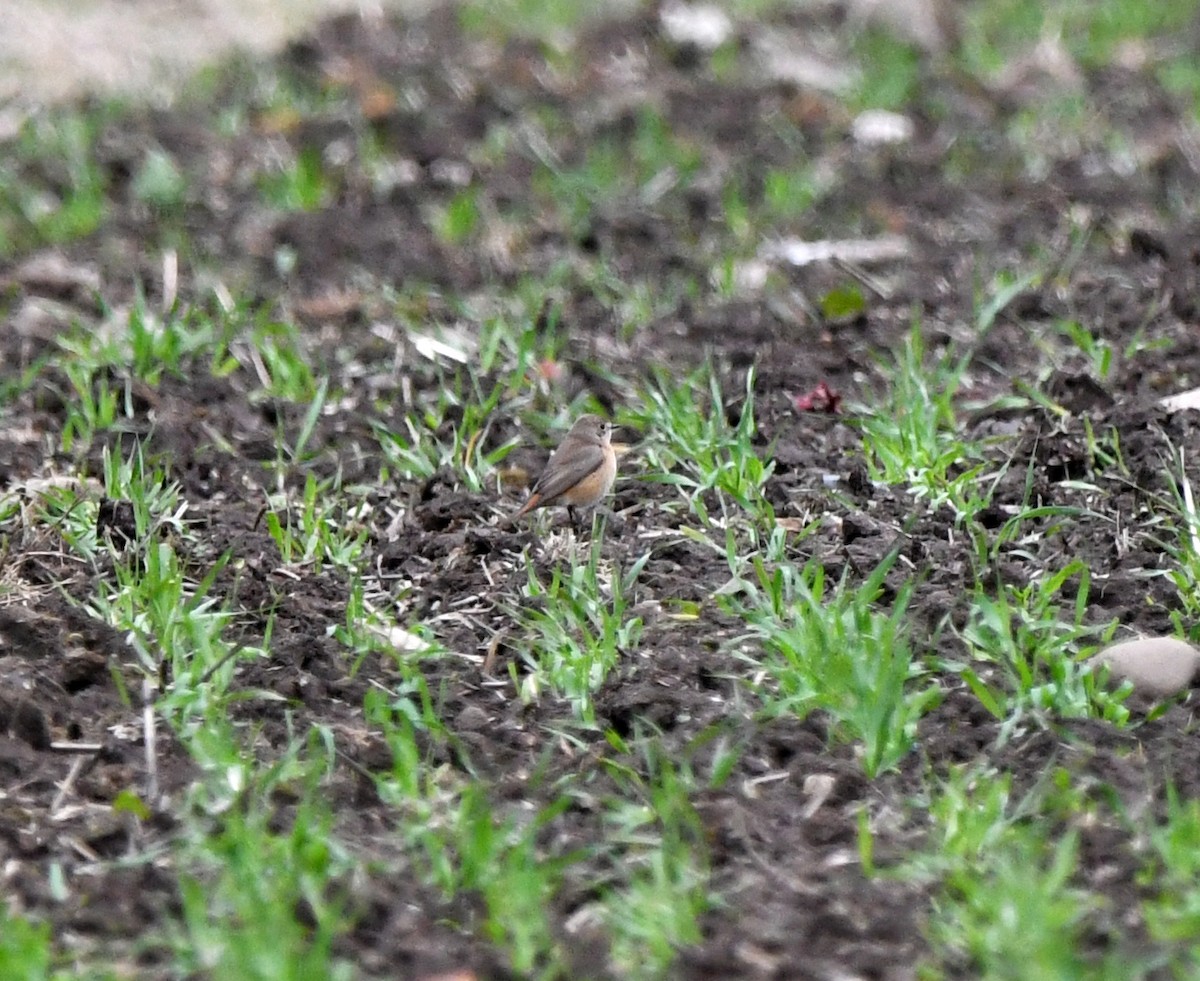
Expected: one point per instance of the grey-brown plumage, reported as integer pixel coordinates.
(580, 472)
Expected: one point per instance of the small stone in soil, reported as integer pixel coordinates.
(1158, 666)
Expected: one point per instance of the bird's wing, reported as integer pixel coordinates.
(558, 479)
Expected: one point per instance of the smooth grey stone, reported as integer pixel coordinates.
(1158, 666)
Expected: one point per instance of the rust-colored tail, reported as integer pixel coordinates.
(531, 502)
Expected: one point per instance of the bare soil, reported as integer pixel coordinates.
(797, 904)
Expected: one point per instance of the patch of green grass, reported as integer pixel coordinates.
(242, 877)
(1180, 76)
(24, 948)
(322, 528)
(302, 183)
(690, 442)
(160, 182)
(153, 499)
(1059, 127)
(1007, 906)
(1173, 910)
(548, 20)
(662, 887)
(726, 62)
(576, 628)
(1178, 535)
(449, 436)
(1019, 917)
(1096, 350)
(971, 813)
(735, 207)
(992, 32)
(1091, 37)
(1092, 32)
(178, 631)
(279, 357)
(912, 437)
(94, 408)
(1022, 653)
(834, 650)
(261, 897)
(52, 189)
(1006, 902)
(789, 193)
(656, 147)
(100, 364)
(147, 344)
(371, 629)
(889, 71)
(577, 191)
(460, 218)
(292, 452)
(176, 625)
(517, 880)
(273, 96)
(459, 844)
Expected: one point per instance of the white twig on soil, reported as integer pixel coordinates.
(151, 743)
(67, 785)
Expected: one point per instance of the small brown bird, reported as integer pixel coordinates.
(580, 472)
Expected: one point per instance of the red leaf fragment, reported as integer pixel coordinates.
(820, 399)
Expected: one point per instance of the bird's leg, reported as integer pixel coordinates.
(571, 516)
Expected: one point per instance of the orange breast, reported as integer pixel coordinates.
(595, 485)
